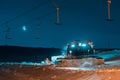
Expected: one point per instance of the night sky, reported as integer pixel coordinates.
(79, 20)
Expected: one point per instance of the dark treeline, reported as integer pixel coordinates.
(28, 54)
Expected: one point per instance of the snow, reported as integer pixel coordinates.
(111, 63)
(22, 63)
(109, 54)
(108, 71)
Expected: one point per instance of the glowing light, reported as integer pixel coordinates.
(70, 51)
(76, 68)
(24, 28)
(54, 58)
(84, 45)
(79, 44)
(42, 62)
(73, 45)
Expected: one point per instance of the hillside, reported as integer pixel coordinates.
(15, 53)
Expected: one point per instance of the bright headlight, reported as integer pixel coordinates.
(73, 45)
(84, 45)
(79, 44)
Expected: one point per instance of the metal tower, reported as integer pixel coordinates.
(38, 31)
(57, 12)
(7, 36)
(108, 19)
(109, 3)
(7, 33)
(57, 15)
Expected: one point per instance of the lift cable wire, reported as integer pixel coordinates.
(7, 36)
(24, 13)
(53, 2)
(44, 16)
(27, 12)
(57, 11)
(38, 18)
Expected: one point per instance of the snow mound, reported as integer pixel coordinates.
(85, 62)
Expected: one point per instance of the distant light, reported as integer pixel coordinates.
(73, 45)
(70, 52)
(24, 28)
(42, 62)
(24, 62)
(79, 44)
(54, 58)
(84, 45)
